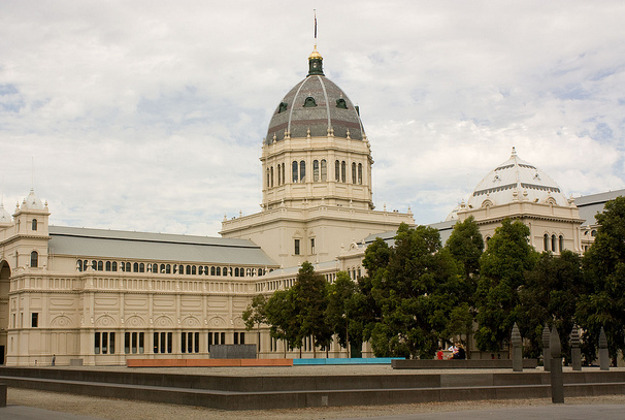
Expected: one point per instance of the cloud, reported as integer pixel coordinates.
(146, 116)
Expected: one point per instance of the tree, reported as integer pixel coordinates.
(502, 270)
(549, 295)
(281, 314)
(466, 246)
(310, 296)
(604, 268)
(412, 287)
(342, 313)
(255, 314)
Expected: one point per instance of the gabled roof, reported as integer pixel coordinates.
(100, 243)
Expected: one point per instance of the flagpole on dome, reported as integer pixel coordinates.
(315, 26)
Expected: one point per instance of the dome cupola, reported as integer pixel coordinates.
(315, 107)
(5, 217)
(32, 202)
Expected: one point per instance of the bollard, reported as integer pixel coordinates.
(576, 352)
(546, 352)
(517, 349)
(557, 382)
(604, 356)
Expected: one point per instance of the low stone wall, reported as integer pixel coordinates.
(460, 364)
(233, 351)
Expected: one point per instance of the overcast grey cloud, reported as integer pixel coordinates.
(148, 115)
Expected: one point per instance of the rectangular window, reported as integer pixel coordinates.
(297, 247)
(112, 343)
(105, 343)
(312, 246)
(236, 338)
(96, 344)
(134, 343)
(189, 342)
(183, 342)
(223, 338)
(241, 338)
(210, 340)
(35, 320)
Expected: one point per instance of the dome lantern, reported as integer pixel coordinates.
(315, 63)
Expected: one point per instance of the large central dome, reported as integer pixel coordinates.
(315, 107)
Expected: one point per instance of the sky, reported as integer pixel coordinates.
(150, 115)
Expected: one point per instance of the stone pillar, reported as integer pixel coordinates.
(517, 349)
(546, 352)
(557, 384)
(604, 356)
(576, 353)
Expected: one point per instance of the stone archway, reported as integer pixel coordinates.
(5, 275)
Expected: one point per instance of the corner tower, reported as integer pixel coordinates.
(316, 150)
(316, 169)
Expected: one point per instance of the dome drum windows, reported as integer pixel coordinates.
(299, 171)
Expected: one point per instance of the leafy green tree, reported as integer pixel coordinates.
(281, 314)
(466, 246)
(413, 286)
(550, 294)
(254, 314)
(604, 267)
(310, 296)
(502, 270)
(342, 312)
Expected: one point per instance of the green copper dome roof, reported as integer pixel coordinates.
(316, 106)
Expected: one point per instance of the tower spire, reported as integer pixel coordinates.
(315, 60)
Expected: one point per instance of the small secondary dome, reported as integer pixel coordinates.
(516, 180)
(315, 107)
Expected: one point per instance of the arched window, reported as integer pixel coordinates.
(100, 266)
(272, 176)
(193, 270)
(353, 172)
(236, 272)
(315, 170)
(162, 271)
(34, 224)
(279, 175)
(168, 269)
(553, 243)
(337, 171)
(324, 170)
(34, 259)
(561, 243)
(94, 265)
(593, 233)
(340, 103)
(267, 177)
(155, 268)
(302, 171)
(360, 173)
(135, 267)
(218, 271)
(546, 242)
(188, 270)
(224, 271)
(294, 165)
(114, 266)
(343, 171)
(141, 268)
(107, 266)
(212, 271)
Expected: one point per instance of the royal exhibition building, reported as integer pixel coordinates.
(105, 296)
